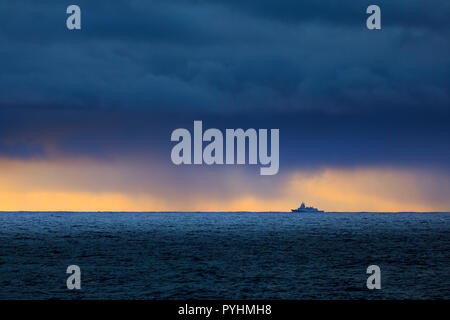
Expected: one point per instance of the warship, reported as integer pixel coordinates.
(305, 209)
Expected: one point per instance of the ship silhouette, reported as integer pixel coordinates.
(305, 209)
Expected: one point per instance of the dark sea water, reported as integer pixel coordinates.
(224, 255)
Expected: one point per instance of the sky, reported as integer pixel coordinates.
(86, 115)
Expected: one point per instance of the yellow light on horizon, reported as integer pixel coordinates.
(87, 185)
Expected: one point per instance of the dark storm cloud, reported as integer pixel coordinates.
(308, 140)
(409, 13)
(217, 55)
(139, 69)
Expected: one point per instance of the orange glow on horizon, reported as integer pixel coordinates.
(82, 185)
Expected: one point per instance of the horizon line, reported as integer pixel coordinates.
(107, 211)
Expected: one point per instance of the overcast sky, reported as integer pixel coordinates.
(343, 96)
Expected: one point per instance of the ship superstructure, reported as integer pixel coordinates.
(303, 209)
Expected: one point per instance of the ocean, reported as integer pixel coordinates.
(224, 255)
